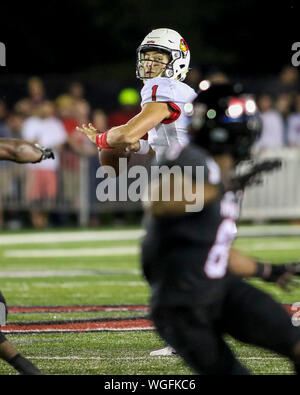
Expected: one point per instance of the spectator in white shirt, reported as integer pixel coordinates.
(272, 135)
(41, 185)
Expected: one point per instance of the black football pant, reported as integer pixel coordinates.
(246, 313)
(196, 341)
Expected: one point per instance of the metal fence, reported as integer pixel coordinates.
(71, 195)
(278, 198)
(76, 181)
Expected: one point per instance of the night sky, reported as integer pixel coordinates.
(89, 35)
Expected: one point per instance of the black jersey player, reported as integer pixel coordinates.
(198, 294)
(20, 151)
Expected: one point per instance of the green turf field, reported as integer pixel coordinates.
(81, 268)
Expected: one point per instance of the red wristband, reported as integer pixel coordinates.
(101, 141)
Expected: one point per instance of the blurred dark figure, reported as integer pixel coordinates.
(82, 115)
(99, 121)
(283, 104)
(15, 122)
(3, 110)
(193, 78)
(36, 95)
(66, 112)
(76, 90)
(15, 173)
(73, 112)
(23, 106)
(82, 111)
(129, 106)
(4, 129)
(217, 77)
(287, 81)
(293, 124)
(36, 92)
(11, 175)
(6, 182)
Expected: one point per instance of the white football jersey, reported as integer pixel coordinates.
(174, 129)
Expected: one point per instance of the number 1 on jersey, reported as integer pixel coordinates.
(154, 89)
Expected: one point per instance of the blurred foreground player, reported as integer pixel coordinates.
(162, 64)
(19, 151)
(198, 294)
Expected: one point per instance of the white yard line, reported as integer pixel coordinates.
(270, 245)
(62, 273)
(72, 252)
(133, 234)
(129, 250)
(268, 230)
(62, 237)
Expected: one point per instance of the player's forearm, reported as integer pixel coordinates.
(123, 135)
(129, 133)
(245, 266)
(19, 151)
(27, 153)
(151, 115)
(241, 265)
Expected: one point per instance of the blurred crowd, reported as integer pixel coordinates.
(52, 123)
(278, 100)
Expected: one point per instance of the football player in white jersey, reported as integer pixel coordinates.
(162, 64)
(163, 60)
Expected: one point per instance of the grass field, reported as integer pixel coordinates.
(101, 268)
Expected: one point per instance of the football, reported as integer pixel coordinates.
(111, 158)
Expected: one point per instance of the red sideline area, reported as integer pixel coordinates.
(70, 309)
(117, 324)
(123, 325)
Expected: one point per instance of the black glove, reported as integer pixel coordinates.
(293, 267)
(47, 153)
(279, 274)
(253, 175)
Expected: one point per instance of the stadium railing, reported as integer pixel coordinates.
(278, 198)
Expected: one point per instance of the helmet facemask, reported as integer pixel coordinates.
(150, 61)
(169, 42)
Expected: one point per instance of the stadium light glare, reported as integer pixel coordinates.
(211, 114)
(204, 85)
(235, 110)
(250, 106)
(189, 109)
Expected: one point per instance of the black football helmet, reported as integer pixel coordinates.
(224, 120)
